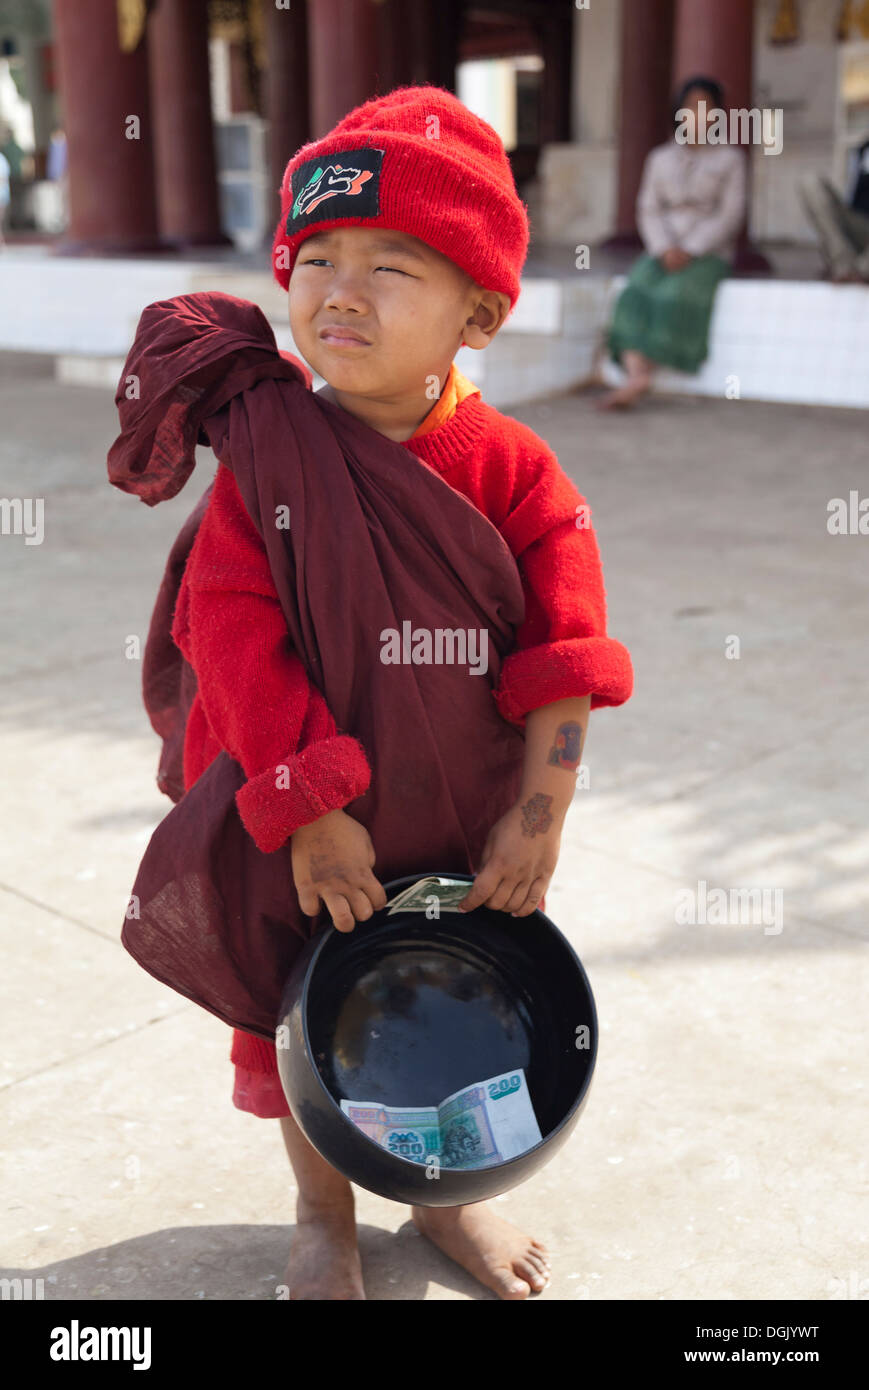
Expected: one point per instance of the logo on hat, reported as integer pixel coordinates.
(349, 183)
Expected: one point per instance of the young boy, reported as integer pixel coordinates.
(401, 238)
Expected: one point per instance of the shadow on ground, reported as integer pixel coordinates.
(240, 1263)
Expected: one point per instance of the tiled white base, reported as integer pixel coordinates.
(66, 305)
(80, 370)
(806, 342)
(774, 340)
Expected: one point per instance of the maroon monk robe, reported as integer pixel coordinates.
(376, 538)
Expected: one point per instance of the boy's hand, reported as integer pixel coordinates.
(518, 859)
(332, 860)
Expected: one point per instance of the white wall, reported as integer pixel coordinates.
(801, 78)
(596, 34)
(577, 184)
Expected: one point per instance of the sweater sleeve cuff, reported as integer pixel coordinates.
(537, 676)
(324, 777)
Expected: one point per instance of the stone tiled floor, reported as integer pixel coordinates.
(721, 1152)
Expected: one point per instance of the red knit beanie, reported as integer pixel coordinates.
(418, 161)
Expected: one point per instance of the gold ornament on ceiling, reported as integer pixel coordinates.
(131, 24)
(845, 22)
(853, 21)
(786, 24)
(241, 22)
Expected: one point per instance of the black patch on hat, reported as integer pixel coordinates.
(343, 184)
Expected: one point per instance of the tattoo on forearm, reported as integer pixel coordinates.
(536, 816)
(566, 749)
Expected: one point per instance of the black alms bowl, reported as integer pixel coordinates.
(406, 1011)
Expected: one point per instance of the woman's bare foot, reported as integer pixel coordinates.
(324, 1259)
(623, 397)
(493, 1250)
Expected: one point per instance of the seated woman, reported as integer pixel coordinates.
(690, 207)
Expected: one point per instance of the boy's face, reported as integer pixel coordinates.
(408, 304)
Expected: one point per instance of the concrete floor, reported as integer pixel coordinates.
(722, 1153)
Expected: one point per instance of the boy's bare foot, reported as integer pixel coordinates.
(493, 1250)
(324, 1259)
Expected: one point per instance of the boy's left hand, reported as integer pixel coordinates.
(518, 859)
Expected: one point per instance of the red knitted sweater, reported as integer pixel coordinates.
(255, 699)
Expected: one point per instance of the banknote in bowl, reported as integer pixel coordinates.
(483, 1124)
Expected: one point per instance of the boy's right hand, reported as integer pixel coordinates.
(332, 859)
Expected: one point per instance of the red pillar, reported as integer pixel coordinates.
(113, 207)
(556, 26)
(717, 40)
(342, 49)
(397, 48)
(644, 101)
(417, 42)
(286, 93)
(240, 96)
(187, 199)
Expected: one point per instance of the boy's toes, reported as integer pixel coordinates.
(537, 1278)
(506, 1284)
(490, 1248)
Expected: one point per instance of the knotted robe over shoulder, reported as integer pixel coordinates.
(378, 543)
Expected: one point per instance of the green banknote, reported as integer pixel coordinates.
(418, 897)
(485, 1123)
